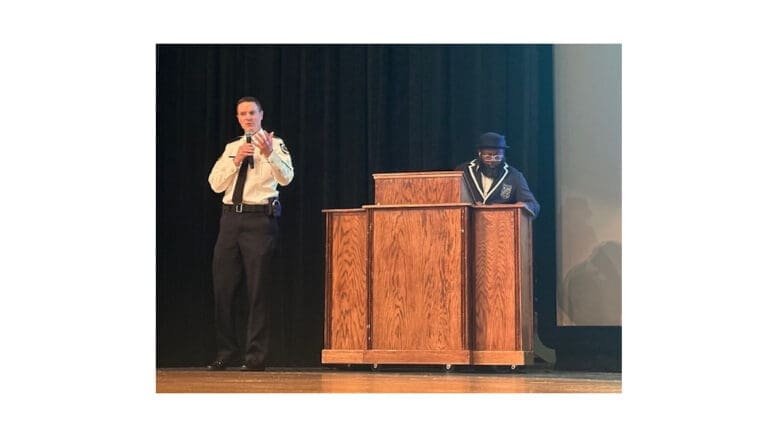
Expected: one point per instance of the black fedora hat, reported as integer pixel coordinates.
(491, 140)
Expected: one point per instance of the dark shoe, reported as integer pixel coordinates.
(217, 365)
(252, 366)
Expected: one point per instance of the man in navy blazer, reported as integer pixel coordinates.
(491, 180)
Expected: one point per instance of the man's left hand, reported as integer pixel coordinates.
(264, 142)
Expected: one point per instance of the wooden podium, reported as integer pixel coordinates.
(425, 277)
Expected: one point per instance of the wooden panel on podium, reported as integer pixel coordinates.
(345, 330)
(420, 188)
(419, 284)
(502, 282)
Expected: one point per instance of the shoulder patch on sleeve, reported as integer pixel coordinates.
(283, 148)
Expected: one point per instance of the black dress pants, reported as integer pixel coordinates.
(243, 254)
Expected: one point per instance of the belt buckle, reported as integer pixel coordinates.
(239, 207)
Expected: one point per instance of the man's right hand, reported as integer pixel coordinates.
(245, 150)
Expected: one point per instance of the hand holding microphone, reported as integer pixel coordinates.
(244, 152)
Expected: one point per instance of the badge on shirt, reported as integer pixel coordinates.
(506, 190)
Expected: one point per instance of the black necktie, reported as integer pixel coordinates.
(237, 195)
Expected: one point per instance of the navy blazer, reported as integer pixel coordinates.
(509, 187)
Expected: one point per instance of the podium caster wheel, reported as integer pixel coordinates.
(517, 369)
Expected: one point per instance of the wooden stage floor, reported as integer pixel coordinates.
(386, 380)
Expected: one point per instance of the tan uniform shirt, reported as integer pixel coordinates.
(261, 181)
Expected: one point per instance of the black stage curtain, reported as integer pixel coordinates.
(345, 112)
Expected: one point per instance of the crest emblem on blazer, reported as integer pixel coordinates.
(506, 190)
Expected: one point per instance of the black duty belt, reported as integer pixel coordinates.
(246, 208)
(272, 209)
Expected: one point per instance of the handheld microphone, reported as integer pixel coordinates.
(250, 159)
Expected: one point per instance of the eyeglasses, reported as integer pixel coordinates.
(491, 156)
